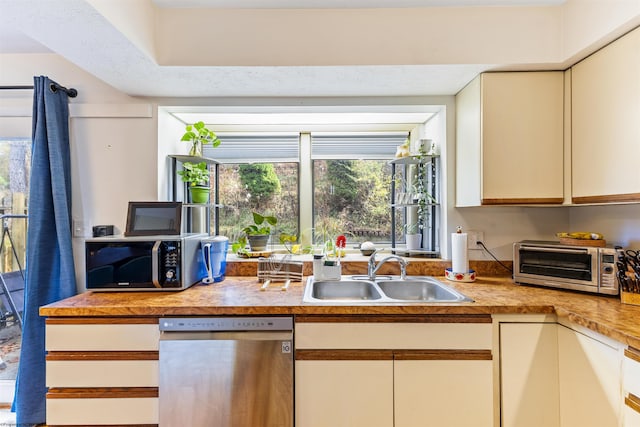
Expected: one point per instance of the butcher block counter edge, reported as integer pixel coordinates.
(242, 296)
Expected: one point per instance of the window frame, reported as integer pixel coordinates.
(306, 183)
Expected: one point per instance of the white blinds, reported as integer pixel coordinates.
(364, 145)
(255, 148)
(285, 147)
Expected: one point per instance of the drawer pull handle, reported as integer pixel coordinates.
(633, 402)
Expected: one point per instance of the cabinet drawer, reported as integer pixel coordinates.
(102, 337)
(393, 335)
(631, 411)
(631, 371)
(102, 373)
(102, 411)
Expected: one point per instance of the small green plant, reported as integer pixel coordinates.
(198, 135)
(259, 226)
(239, 246)
(290, 243)
(412, 228)
(194, 173)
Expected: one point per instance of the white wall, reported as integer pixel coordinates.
(620, 224)
(589, 25)
(113, 140)
(170, 130)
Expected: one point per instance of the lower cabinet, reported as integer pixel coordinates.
(102, 371)
(443, 392)
(395, 374)
(631, 387)
(552, 375)
(344, 393)
(589, 380)
(529, 375)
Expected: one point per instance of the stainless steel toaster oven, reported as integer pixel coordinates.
(580, 268)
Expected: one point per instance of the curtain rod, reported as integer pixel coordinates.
(71, 92)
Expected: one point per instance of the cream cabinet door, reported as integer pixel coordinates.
(590, 381)
(529, 375)
(510, 134)
(429, 372)
(452, 393)
(344, 393)
(605, 104)
(631, 416)
(631, 387)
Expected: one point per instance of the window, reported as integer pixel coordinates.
(351, 177)
(258, 172)
(345, 189)
(15, 161)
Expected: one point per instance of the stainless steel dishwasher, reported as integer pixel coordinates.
(226, 372)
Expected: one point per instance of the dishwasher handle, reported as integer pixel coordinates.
(227, 336)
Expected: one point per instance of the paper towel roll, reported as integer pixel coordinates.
(459, 258)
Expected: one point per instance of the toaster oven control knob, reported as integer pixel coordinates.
(170, 274)
(608, 269)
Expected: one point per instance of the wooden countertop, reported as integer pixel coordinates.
(241, 295)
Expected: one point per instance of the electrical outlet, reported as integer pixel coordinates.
(80, 228)
(474, 236)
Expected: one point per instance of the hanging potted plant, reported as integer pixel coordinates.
(198, 135)
(197, 176)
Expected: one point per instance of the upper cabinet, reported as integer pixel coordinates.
(605, 104)
(509, 133)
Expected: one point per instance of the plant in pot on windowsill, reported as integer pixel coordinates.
(257, 234)
(198, 135)
(413, 237)
(197, 176)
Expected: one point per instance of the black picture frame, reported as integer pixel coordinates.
(154, 218)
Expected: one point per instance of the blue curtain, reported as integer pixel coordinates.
(50, 273)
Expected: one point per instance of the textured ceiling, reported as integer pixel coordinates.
(80, 33)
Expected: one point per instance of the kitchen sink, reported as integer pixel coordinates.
(345, 290)
(420, 290)
(360, 290)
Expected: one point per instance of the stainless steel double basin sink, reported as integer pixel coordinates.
(384, 289)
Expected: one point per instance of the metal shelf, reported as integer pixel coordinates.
(195, 219)
(415, 252)
(414, 160)
(431, 220)
(412, 205)
(193, 159)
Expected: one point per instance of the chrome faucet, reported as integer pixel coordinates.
(372, 268)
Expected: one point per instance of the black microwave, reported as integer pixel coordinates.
(143, 263)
